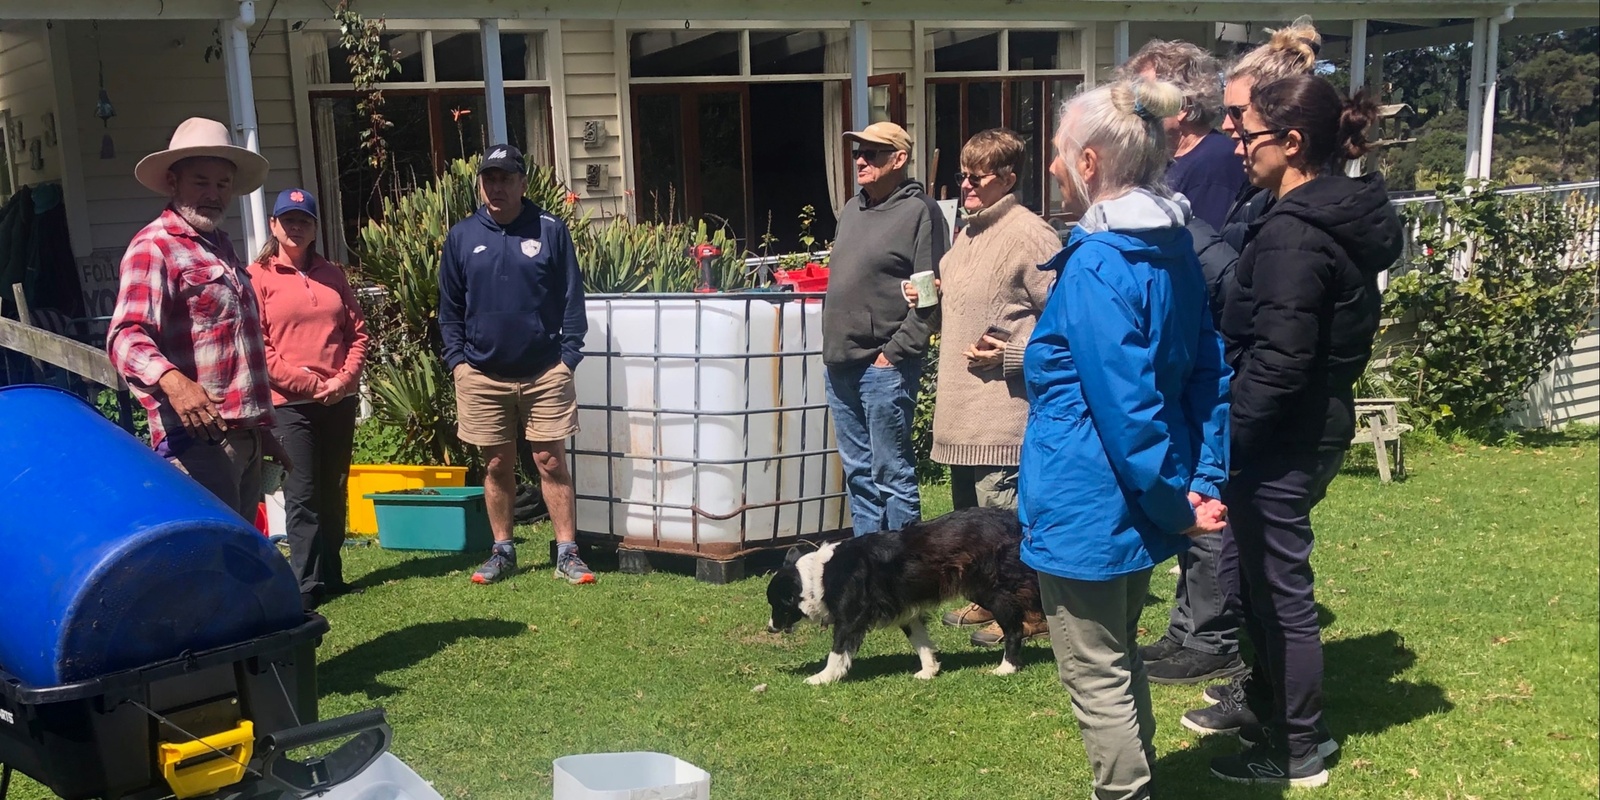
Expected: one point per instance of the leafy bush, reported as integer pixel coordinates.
(1498, 288)
(928, 470)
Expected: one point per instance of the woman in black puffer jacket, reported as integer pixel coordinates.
(1299, 318)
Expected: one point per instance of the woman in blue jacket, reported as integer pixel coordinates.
(1125, 452)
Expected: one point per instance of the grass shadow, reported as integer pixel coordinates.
(357, 670)
(431, 566)
(892, 665)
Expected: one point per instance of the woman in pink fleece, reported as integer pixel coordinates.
(316, 343)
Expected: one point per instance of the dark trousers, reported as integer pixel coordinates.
(1269, 512)
(318, 439)
(1205, 617)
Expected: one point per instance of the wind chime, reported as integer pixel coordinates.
(103, 109)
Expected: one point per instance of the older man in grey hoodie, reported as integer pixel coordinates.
(872, 343)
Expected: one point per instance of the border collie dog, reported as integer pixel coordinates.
(896, 578)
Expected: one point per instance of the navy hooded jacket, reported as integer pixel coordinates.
(511, 298)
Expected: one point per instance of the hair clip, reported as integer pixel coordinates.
(1316, 47)
(1141, 112)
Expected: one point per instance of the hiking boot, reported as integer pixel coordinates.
(1192, 666)
(572, 568)
(1261, 736)
(1227, 716)
(990, 635)
(1271, 767)
(502, 563)
(1217, 692)
(969, 614)
(1161, 649)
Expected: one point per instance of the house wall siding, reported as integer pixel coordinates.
(27, 90)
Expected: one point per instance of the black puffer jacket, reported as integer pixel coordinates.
(1301, 312)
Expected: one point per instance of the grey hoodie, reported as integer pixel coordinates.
(875, 249)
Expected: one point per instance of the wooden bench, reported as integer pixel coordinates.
(1378, 422)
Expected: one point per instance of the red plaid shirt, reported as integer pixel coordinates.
(186, 303)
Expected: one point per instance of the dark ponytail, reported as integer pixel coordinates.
(1334, 129)
(1357, 117)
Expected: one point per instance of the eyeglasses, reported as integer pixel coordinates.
(870, 155)
(1249, 136)
(975, 179)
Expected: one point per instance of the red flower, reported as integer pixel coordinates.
(572, 197)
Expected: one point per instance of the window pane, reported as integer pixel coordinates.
(522, 56)
(798, 52)
(333, 66)
(337, 132)
(1033, 50)
(464, 125)
(944, 108)
(672, 54)
(660, 125)
(1028, 108)
(879, 105)
(457, 56)
(1060, 91)
(721, 117)
(983, 106)
(964, 51)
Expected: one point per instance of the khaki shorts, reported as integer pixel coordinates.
(489, 410)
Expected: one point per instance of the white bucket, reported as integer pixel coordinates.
(387, 779)
(629, 776)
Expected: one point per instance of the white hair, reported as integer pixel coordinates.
(1121, 122)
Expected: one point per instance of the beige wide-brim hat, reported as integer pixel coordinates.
(199, 137)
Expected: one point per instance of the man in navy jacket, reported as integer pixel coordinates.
(512, 318)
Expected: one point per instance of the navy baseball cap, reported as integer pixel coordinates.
(503, 156)
(295, 200)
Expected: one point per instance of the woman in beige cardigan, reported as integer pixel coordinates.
(991, 293)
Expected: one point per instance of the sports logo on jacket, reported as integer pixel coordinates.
(531, 247)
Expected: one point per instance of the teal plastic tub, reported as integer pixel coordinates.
(452, 519)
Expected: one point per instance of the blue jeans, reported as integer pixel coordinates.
(872, 412)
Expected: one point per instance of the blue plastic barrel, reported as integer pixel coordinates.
(111, 558)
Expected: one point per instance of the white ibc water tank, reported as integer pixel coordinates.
(704, 423)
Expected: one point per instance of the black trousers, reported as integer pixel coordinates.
(1269, 512)
(319, 440)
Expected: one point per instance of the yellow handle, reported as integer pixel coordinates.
(206, 777)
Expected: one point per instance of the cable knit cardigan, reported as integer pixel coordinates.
(990, 276)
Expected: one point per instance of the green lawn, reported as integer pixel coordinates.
(1460, 620)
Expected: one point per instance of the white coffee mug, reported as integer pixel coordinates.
(927, 295)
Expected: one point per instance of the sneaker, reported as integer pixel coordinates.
(1261, 735)
(1160, 650)
(969, 614)
(1217, 692)
(1227, 716)
(1192, 666)
(990, 635)
(502, 563)
(1261, 765)
(572, 568)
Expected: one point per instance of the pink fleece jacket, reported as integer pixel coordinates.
(312, 325)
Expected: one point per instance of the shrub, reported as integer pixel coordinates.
(1499, 286)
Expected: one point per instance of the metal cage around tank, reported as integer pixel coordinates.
(708, 414)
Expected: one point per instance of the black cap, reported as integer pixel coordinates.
(503, 156)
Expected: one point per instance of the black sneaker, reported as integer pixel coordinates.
(1218, 692)
(1227, 716)
(1163, 648)
(1192, 666)
(1260, 736)
(1261, 765)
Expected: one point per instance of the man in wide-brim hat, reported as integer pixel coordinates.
(186, 334)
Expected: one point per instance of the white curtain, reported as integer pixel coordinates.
(835, 59)
(324, 135)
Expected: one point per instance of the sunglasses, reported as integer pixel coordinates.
(869, 155)
(1249, 136)
(975, 179)
(1236, 113)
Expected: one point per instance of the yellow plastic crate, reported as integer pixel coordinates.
(373, 478)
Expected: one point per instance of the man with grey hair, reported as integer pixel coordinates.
(1202, 638)
(1204, 168)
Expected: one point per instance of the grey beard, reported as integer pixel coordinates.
(201, 222)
